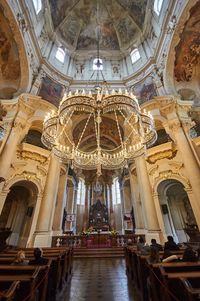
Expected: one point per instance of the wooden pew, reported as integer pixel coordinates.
(60, 270)
(36, 276)
(138, 270)
(164, 279)
(9, 293)
(28, 281)
(191, 292)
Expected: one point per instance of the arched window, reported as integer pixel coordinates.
(135, 55)
(97, 64)
(60, 55)
(37, 5)
(81, 193)
(157, 6)
(116, 195)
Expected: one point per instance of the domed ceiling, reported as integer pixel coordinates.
(120, 22)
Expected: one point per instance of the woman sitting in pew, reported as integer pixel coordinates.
(169, 257)
(20, 259)
(39, 260)
(189, 255)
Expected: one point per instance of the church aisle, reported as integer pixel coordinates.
(99, 279)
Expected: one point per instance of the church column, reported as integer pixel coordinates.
(112, 217)
(86, 209)
(190, 163)
(60, 203)
(43, 233)
(138, 215)
(18, 131)
(151, 220)
(123, 205)
(75, 208)
(70, 203)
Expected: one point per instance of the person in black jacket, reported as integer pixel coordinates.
(154, 244)
(39, 260)
(170, 244)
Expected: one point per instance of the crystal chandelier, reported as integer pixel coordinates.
(135, 129)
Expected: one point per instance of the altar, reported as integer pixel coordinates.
(100, 239)
(98, 218)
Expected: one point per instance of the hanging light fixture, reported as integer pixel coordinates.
(134, 128)
(139, 130)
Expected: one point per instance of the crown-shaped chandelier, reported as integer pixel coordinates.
(134, 128)
(138, 129)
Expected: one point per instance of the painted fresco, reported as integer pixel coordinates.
(60, 9)
(108, 130)
(187, 51)
(51, 91)
(126, 29)
(136, 10)
(70, 30)
(9, 60)
(145, 91)
(120, 22)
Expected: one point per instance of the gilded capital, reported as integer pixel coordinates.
(174, 125)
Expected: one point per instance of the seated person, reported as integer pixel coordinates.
(140, 243)
(154, 244)
(20, 259)
(170, 244)
(169, 257)
(142, 247)
(154, 256)
(39, 260)
(189, 255)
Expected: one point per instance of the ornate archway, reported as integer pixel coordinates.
(19, 210)
(176, 210)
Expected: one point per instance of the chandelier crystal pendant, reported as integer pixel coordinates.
(135, 129)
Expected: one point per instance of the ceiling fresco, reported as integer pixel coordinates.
(187, 51)
(119, 22)
(108, 130)
(9, 60)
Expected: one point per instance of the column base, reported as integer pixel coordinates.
(158, 235)
(42, 239)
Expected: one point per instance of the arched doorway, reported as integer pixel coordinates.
(17, 213)
(176, 209)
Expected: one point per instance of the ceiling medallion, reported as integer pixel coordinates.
(134, 128)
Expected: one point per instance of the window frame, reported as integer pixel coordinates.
(157, 6)
(135, 55)
(37, 6)
(94, 67)
(116, 194)
(80, 198)
(60, 51)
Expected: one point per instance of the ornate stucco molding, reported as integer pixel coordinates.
(26, 155)
(162, 151)
(166, 154)
(171, 175)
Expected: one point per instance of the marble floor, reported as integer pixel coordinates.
(99, 279)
